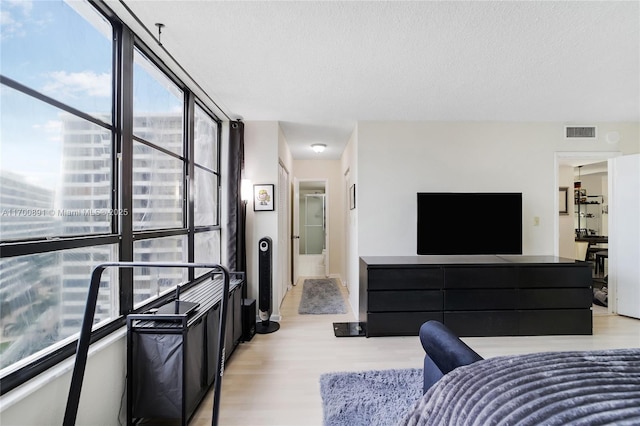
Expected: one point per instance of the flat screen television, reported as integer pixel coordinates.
(469, 223)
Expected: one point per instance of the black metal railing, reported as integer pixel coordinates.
(73, 400)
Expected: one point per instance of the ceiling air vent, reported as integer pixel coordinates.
(579, 132)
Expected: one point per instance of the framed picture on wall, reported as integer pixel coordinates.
(352, 197)
(263, 197)
(563, 198)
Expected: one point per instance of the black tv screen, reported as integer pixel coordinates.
(469, 223)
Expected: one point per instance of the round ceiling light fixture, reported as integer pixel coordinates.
(318, 147)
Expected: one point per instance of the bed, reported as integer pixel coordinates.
(551, 388)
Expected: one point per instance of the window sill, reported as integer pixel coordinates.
(65, 367)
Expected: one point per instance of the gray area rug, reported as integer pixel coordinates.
(369, 398)
(321, 296)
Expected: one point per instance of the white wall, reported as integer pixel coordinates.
(398, 159)
(264, 147)
(42, 401)
(349, 167)
(286, 160)
(284, 153)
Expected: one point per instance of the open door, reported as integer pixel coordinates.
(624, 235)
(295, 235)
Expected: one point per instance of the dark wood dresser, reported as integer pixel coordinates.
(476, 295)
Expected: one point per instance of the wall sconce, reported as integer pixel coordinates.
(246, 190)
(318, 147)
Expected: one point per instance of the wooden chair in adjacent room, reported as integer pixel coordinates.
(582, 248)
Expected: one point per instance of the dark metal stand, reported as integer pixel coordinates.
(266, 327)
(349, 329)
(71, 411)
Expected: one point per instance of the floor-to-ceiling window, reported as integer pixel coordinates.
(105, 156)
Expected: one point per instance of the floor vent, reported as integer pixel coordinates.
(579, 132)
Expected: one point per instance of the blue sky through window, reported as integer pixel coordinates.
(49, 47)
(63, 50)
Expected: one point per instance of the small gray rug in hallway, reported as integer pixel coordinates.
(369, 398)
(321, 296)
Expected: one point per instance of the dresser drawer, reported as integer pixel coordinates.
(556, 321)
(404, 278)
(556, 298)
(405, 300)
(480, 277)
(482, 323)
(478, 300)
(554, 276)
(398, 324)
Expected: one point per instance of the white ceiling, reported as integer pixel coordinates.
(318, 67)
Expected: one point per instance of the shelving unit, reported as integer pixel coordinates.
(171, 358)
(214, 298)
(588, 211)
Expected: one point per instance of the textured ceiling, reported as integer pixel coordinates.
(319, 67)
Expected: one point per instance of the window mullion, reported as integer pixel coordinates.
(125, 106)
(190, 183)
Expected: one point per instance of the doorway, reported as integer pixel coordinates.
(310, 209)
(567, 166)
(584, 218)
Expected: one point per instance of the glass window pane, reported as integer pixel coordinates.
(43, 298)
(205, 140)
(150, 282)
(206, 249)
(56, 171)
(61, 49)
(205, 198)
(157, 189)
(158, 106)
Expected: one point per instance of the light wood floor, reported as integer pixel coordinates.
(273, 380)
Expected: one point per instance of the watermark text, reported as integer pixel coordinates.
(25, 212)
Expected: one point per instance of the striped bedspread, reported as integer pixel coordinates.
(552, 388)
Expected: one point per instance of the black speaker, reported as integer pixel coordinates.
(248, 319)
(265, 285)
(264, 278)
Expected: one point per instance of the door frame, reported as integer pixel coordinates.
(347, 228)
(586, 157)
(295, 236)
(563, 157)
(284, 228)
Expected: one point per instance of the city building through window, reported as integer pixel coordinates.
(74, 178)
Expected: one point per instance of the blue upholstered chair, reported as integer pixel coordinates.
(444, 352)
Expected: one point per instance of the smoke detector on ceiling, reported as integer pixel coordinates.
(580, 132)
(612, 137)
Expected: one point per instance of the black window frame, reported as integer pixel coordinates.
(122, 233)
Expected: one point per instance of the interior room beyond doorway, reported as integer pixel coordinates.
(583, 222)
(312, 210)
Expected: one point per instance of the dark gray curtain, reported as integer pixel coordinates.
(236, 249)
